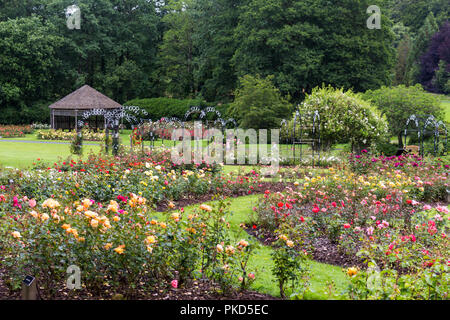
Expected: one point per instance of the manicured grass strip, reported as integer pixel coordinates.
(21, 155)
(446, 105)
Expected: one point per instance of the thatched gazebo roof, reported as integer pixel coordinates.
(64, 114)
(84, 98)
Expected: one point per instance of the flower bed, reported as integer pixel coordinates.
(100, 214)
(14, 131)
(121, 246)
(88, 135)
(373, 212)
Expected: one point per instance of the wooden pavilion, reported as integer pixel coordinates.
(65, 113)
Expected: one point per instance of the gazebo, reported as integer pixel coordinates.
(65, 113)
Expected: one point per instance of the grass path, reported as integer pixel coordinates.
(446, 106)
(21, 155)
(265, 282)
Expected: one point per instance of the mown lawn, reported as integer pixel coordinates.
(22, 155)
(446, 105)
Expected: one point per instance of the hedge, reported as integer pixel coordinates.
(158, 108)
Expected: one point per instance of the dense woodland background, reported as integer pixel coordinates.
(199, 49)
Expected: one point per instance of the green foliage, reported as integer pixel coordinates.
(258, 103)
(290, 266)
(419, 46)
(401, 68)
(215, 22)
(398, 103)
(166, 107)
(413, 13)
(386, 148)
(42, 60)
(442, 78)
(76, 147)
(344, 117)
(29, 66)
(177, 50)
(307, 43)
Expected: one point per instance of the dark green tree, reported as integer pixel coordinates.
(29, 68)
(420, 44)
(176, 56)
(402, 61)
(213, 38)
(258, 103)
(413, 13)
(310, 42)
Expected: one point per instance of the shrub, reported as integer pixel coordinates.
(290, 265)
(344, 117)
(158, 108)
(119, 245)
(398, 103)
(258, 104)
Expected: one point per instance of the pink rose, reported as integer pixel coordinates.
(32, 203)
(174, 283)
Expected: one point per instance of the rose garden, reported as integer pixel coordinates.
(224, 150)
(137, 225)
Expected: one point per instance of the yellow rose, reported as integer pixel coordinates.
(352, 271)
(34, 214)
(86, 203)
(176, 216)
(65, 226)
(150, 239)
(229, 249)
(243, 243)
(120, 249)
(205, 207)
(44, 217)
(16, 234)
(94, 223)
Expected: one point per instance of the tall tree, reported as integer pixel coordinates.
(176, 56)
(310, 42)
(213, 37)
(29, 66)
(412, 13)
(420, 44)
(435, 63)
(401, 67)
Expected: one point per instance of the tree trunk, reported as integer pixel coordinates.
(400, 141)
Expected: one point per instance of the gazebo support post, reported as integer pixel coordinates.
(106, 139)
(76, 119)
(115, 144)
